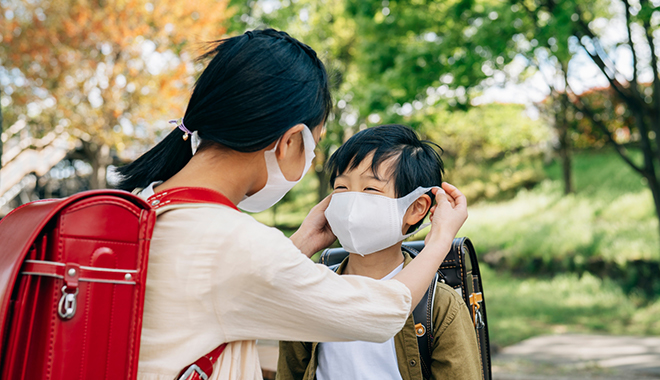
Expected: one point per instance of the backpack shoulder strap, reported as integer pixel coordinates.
(202, 368)
(176, 197)
(423, 318)
(182, 197)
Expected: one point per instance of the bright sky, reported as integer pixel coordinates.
(583, 74)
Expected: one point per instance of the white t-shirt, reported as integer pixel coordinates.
(359, 360)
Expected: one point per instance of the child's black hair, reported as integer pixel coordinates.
(255, 87)
(417, 162)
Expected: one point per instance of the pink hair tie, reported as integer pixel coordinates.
(182, 127)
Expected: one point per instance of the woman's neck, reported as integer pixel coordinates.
(375, 265)
(231, 173)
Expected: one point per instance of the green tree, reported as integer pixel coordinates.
(581, 28)
(384, 56)
(467, 44)
(491, 150)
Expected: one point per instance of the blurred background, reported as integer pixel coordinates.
(548, 112)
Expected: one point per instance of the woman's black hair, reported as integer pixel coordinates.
(416, 162)
(256, 86)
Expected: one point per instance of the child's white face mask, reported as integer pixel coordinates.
(277, 185)
(366, 223)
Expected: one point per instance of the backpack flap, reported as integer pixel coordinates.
(73, 281)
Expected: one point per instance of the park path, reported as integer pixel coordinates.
(556, 357)
(577, 356)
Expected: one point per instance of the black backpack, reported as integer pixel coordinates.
(460, 270)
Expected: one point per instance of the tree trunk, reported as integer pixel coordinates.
(99, 156)
(324, 183)
(323, 177)
(564, 143)
(565, 154)
(654, 185)
(566, 166)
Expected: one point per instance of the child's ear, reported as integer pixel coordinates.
(416, 211)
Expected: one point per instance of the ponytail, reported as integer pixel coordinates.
(160, 163)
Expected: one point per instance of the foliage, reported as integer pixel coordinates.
(606, 105)
(102, 72)
(409, 42)
(625, 59)
(395, 62)
(607, 227)
(408, 46)
(490, 151)
(522, 308)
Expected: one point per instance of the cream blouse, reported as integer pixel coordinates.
(217, 275)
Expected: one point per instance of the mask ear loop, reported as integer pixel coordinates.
(416, 196)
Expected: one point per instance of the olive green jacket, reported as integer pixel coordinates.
(455, 353)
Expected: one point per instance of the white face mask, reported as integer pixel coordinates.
(277, 185)
(366, 223)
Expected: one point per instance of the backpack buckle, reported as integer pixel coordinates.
(191, 371)
(475, 304)
(66, 309)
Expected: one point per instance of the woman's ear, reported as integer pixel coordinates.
(416, 211)
(290, 142)
(290, 153)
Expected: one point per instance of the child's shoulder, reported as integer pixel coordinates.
(447, 295)
(447, 304)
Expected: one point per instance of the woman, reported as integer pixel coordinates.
(217, 275)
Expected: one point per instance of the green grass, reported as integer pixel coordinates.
(522, 308)
(610, 217)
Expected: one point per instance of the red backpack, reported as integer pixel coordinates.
(72, 281)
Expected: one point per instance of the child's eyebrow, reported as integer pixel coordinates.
(374, 177)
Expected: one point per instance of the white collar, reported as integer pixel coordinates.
(149, 190)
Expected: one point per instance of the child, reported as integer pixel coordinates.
(382, 179)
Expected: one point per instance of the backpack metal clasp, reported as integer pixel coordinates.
(67, 306)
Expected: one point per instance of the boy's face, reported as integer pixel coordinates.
(362, 179)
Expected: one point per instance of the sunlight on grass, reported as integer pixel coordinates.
(610, 217)
(522, 308)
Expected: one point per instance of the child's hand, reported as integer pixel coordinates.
(448, 215)
(314, 233)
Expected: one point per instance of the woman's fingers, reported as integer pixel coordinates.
(457, 198)
(314, 233)
(439, 194)
(321, 206)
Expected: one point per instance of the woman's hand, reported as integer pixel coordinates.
(448, 215)
(314, 233)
